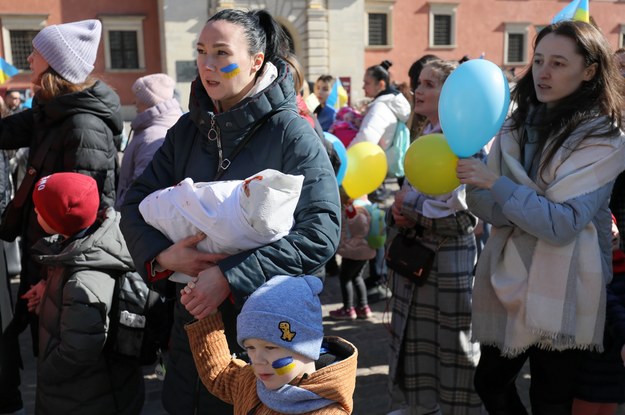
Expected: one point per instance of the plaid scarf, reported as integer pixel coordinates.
(527, 291)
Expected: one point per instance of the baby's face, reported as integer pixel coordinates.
(275, 366)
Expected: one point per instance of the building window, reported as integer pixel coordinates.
(378, 23)
(622, 37)
(516, 47)
(515, 43)
(18, 32)
(124, 50)
(442, 30)
(21, 47)
(377, 29)
(123, 43)
(442, 25)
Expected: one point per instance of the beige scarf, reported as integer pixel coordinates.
(529, 292)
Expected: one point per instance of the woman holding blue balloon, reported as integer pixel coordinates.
(540, 282)
(433, 361)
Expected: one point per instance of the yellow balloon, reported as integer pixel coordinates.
(366, 169)
(430, 165)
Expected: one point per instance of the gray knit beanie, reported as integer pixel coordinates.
(70, 48)
(153, 89)
(285, 311)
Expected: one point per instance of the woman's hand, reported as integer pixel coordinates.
(184, 257)
(475, 172)
(202, 296)
(400, 220)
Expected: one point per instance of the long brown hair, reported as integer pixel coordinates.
(51, 85)
(602, 95)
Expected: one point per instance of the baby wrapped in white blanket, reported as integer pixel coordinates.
(235, 215)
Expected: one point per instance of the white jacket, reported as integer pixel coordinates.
(379, 124)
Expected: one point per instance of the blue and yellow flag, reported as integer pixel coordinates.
(575, 10)
(338, 96)
(6, 71)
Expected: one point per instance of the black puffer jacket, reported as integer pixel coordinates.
(286, 142)
(82, 126)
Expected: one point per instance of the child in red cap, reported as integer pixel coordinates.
(83, 257)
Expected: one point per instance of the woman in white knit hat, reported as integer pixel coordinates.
(77, 116)
(157, 111)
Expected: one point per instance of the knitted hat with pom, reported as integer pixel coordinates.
(68, 202)
(285, 311)
(70, 48)
(153, 89)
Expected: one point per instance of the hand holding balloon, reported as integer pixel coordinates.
(475, 172)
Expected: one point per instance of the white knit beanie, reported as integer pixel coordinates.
(70, 48)
(153, 89)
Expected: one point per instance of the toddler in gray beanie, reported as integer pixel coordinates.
(71, 48)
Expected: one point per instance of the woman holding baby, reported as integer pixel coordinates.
(242, 119)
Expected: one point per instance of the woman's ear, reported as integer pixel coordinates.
(258, 60)
(590, 71)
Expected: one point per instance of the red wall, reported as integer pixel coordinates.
(62, 11)
(480, 26)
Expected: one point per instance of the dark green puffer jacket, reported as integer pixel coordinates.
(286, 142)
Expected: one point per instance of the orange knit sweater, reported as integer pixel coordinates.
(233, 381)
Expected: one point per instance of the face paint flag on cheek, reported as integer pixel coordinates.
(283, 366)
(230, 71)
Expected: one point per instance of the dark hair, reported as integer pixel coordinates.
(298, 71)
(262, 32)
(325, 78)
(380, 72)
(602, 94)
(416, 67)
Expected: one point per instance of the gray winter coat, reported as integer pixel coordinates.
(286, 142)
(73, 375)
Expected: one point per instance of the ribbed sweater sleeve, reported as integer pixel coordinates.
(220, 373)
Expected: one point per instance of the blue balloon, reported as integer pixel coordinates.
(473, 105)
(342, 153)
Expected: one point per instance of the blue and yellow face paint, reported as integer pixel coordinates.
(230, 71)
(283, 366)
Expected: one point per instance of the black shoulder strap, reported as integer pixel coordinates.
(223, 166)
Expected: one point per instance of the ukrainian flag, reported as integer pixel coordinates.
(338, 96)
(6, 71)
(575, 10)
(581, 13)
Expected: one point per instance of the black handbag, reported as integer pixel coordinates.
(13, 215)
(410, 258)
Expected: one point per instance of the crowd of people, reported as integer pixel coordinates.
(246, 333)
